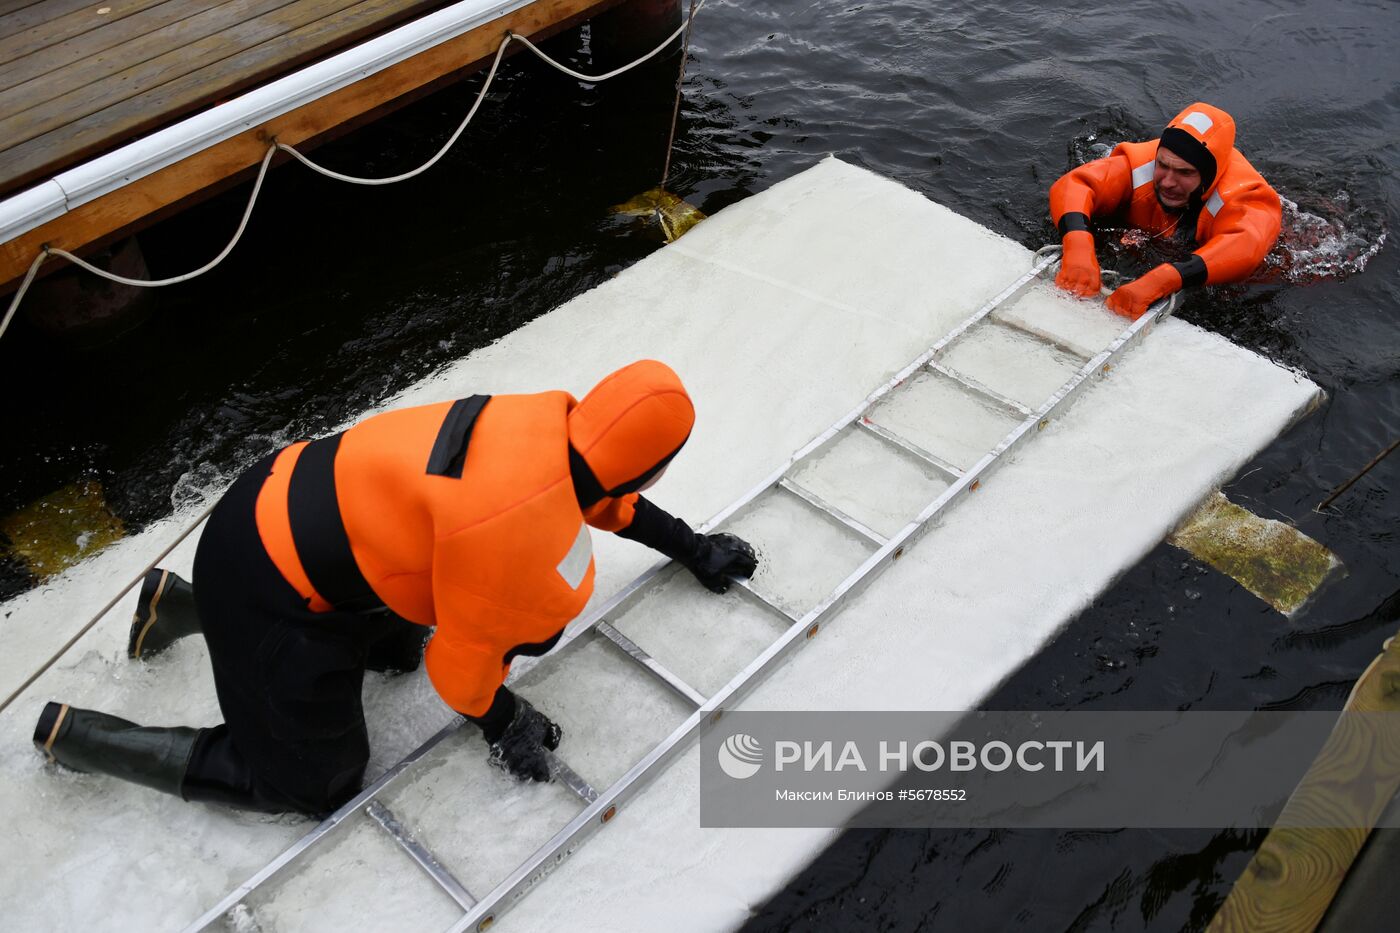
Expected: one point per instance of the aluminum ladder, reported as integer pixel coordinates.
(597, 808)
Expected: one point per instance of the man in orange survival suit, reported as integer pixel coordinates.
(331, 557)
(1191, 184)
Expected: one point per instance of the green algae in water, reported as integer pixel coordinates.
(64, 527)
(1271, 559)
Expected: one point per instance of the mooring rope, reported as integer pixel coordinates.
(46, 250)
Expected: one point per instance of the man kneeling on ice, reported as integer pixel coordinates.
(1191, 185)
(330, 558)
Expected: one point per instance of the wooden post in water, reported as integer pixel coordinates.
(1292, 879)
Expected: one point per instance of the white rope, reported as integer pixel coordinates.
(153, 283)
(24, 287)
(594, 79)
(329, 173)
(242, 225)
(480, 96)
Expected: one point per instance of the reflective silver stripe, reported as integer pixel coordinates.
(575, 563)
(1215, 203)
(1198, 121)
(1143, 173)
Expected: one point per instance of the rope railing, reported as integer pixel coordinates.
(46, 250)
(272, 150)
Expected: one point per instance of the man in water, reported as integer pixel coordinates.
(1191, 185)
(465, 520)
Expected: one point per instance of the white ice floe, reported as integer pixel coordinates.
(780, 313)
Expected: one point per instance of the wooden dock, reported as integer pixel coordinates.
(80, 78)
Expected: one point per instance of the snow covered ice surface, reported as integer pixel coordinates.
(780, 313)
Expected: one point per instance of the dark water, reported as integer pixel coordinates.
(340, 296)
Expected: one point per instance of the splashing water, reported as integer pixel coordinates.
(1333, 240)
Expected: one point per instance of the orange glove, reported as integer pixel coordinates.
(1133, 299)
(1079, 267)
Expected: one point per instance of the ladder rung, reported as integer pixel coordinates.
(978, 387)
(909, 447)
(1041, 335)
(570, 778)
(817, 502)
(657, 669)
(420, 854)
(754, 596)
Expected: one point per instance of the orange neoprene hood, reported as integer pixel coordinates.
(627, 429)
(1204, 136)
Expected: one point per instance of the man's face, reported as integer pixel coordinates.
(1174, 179)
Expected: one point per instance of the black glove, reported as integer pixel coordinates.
(521, 747)
(712, 558)
(719, 557)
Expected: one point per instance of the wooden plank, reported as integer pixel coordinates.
(1288, 885)
(10, 7)
(91, 58)
(30, 157)
(52, 21)
(209, 55)
(123, 211)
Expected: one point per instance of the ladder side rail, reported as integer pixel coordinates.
(624, 597)
(568, 839)
(1013, 290)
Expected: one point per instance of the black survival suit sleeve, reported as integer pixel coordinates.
(494, 721)
(661, 531)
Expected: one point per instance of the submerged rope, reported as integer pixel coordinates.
(105, 609)
(509, 37)
(47, 251)
(676, 107)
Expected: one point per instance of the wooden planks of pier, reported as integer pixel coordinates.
(1291, 881)
(78, 77)
(82, 77)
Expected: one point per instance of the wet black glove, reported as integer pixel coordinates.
(712, 558)
(719, 557)
(521, 747)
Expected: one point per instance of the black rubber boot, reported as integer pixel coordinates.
(165, 613)
(86, 740)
